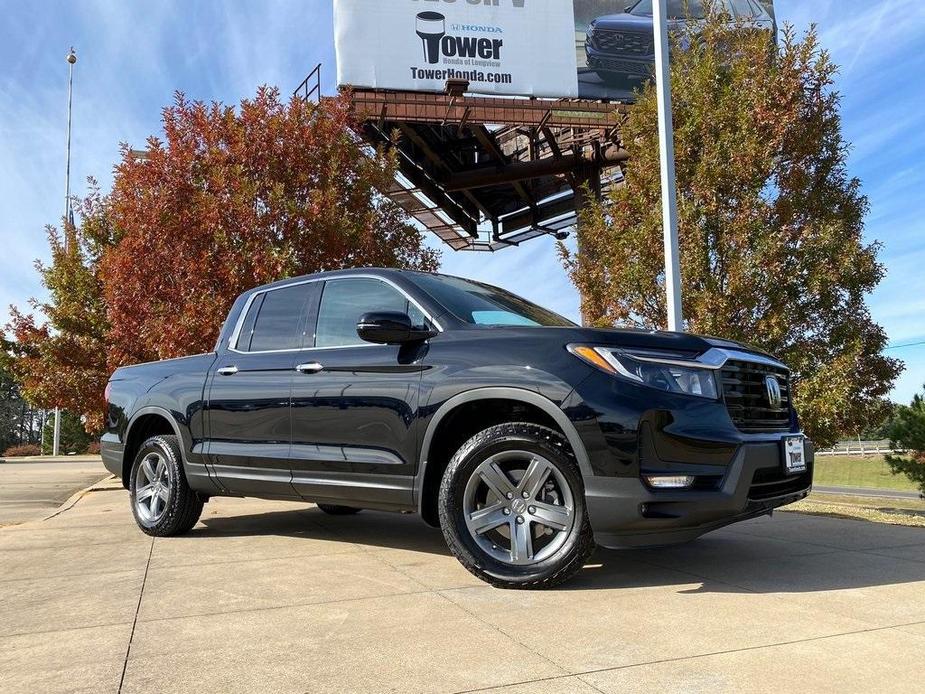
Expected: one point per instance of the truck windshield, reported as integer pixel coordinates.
(482, 304)
(677, 9)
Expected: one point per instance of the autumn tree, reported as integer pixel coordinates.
(770, 222)
(230, 199)
(227, 200)
(58, 350)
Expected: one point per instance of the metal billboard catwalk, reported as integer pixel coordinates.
(487, 173)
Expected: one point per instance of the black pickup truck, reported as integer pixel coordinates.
(526, 438)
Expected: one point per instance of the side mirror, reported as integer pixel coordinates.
(390, 328)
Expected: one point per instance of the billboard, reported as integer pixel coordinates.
(592, 49)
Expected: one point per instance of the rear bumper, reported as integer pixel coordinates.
(112, 453)
(624, 512)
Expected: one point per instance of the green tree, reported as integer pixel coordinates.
(770, 223)
(17, 418)
(879, 429)
(74, 437)
(908, 433)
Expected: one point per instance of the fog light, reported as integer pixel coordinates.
(670, 481)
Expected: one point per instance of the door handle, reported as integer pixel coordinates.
(310, 368)
(227, 371)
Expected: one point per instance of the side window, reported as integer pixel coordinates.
(344, 301)
(247, 328)
(757, 9)
(743, 8)
(275, 321)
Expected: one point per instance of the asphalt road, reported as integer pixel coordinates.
(31, 489)
(270, 596)
(872, 492)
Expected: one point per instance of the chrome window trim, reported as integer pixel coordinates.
(236, 333)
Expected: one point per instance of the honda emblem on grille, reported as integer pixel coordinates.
(772, 386)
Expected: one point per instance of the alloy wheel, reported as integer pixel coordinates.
(152, 488)
(518, 507)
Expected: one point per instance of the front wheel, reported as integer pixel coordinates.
(512, 507)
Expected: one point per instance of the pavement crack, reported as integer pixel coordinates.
(141, 594)
(589, 684)
(513, 638)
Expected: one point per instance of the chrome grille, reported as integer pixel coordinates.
(624, 42)
(747, 400)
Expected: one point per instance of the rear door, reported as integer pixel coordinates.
(354, 404)
(248, 405)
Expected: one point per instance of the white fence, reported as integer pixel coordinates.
(861, 448)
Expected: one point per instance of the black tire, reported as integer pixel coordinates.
(578, 542)
(337, 510)
(182, 505)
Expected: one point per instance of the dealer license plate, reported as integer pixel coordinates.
(794, 454)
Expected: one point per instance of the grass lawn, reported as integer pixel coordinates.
(855, 471)
(890, 511)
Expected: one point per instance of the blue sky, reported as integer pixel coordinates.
(133, 55)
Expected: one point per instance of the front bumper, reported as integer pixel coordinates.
(629, 65)
(624, 512)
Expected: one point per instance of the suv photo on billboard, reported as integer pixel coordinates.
(620, 48)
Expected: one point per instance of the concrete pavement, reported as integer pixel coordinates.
(269, 596)
(32, 488)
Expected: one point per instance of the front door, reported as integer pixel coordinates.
(354, 404)
(248, 401)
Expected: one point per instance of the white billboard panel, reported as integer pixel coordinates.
(591, 49)
(500, 46)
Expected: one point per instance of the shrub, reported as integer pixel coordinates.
(22, 450)
(93, 448)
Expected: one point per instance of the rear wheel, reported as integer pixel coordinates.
(512, 507)
(335, 510)
(162, 502)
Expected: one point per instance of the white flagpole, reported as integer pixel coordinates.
(666, 154)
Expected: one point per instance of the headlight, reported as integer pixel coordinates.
(659, 371)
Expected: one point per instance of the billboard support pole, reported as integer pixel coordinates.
(666, 155)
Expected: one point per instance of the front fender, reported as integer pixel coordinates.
(530, 397)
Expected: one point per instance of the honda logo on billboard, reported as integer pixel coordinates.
(431, 29)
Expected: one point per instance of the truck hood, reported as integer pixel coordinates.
(655, 340)
(627, 338)
(630, 22)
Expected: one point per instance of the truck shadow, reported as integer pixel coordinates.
(791, 553)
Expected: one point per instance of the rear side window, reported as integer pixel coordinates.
(275, 320)
(344, 301)
(743, 8)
